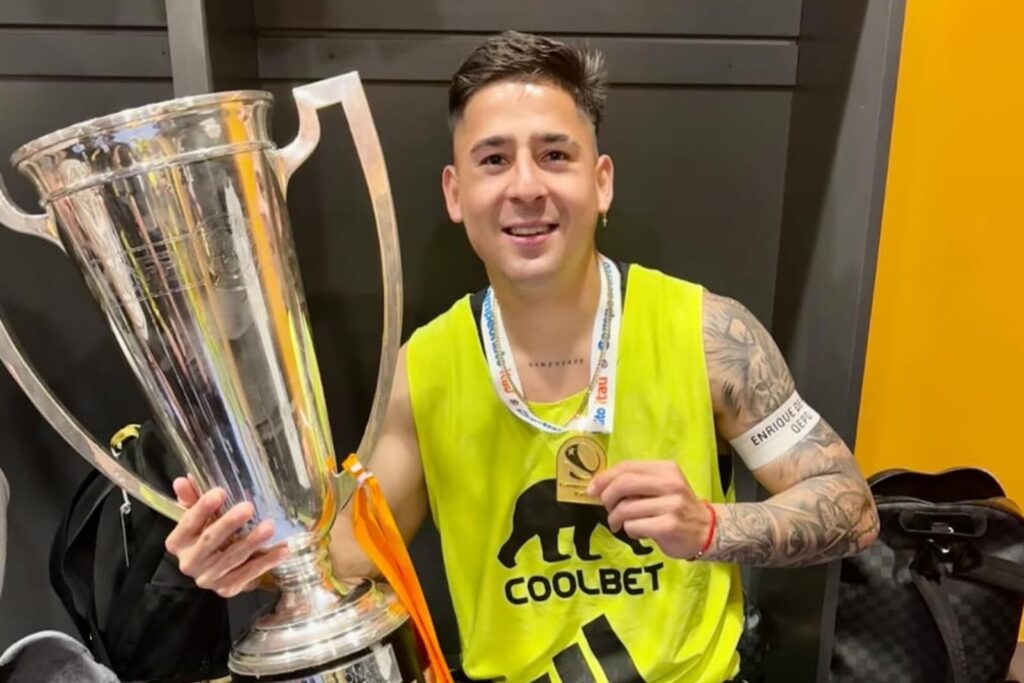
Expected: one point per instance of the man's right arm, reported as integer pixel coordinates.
(397, 466)
(201, 543)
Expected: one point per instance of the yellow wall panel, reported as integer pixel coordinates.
(944, 375)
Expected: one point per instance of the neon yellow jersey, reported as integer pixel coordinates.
(542, 588)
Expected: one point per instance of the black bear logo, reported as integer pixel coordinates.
(539, 513)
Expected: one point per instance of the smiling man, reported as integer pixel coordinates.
(561, 426)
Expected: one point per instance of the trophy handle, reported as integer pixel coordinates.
(37, 225)
(347, 90)
(43, 399)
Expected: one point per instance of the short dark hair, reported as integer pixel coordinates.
(515, 56)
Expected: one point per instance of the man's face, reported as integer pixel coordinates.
(527, 181)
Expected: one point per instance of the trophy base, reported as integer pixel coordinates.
(394, 659)
(321, 630)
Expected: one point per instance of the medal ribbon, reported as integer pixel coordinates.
(600, 411)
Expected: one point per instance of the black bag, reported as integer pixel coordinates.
(938, 598)
(157, 625)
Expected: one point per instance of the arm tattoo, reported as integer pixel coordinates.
(748, 373)
(823, 509)
(828, 513)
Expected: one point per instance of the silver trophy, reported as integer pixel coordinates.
(175, 214)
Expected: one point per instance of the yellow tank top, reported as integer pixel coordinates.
(543, 591)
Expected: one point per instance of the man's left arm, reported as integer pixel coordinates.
(820, 509)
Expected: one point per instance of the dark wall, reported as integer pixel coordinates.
(60, 62)
(697, 123)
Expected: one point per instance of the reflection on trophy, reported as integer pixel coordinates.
(175, 215)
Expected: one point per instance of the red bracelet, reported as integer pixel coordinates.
(711, 532)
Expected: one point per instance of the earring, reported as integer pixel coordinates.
(604, 220)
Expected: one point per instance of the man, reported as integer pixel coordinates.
(577, 393)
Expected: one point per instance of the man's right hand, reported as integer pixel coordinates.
(210, 549)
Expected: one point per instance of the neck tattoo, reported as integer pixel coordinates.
(596, 410)
(556, 363)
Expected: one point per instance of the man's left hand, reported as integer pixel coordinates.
(652, 499)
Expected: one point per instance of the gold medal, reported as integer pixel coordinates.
(579, 459)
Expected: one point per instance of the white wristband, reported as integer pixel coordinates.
(777, 433)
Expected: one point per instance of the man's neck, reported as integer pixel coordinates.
(549, 320)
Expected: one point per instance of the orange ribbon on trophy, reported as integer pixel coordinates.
(378, 535)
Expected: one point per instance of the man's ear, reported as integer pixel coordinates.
(450, 187)
(605, 183)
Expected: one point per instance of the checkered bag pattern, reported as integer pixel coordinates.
(885, 631)
(753, 647)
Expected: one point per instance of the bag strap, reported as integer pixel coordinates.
(993, 571)
(72, 557)
(148, 553)
(932, 565)
(942, 613)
